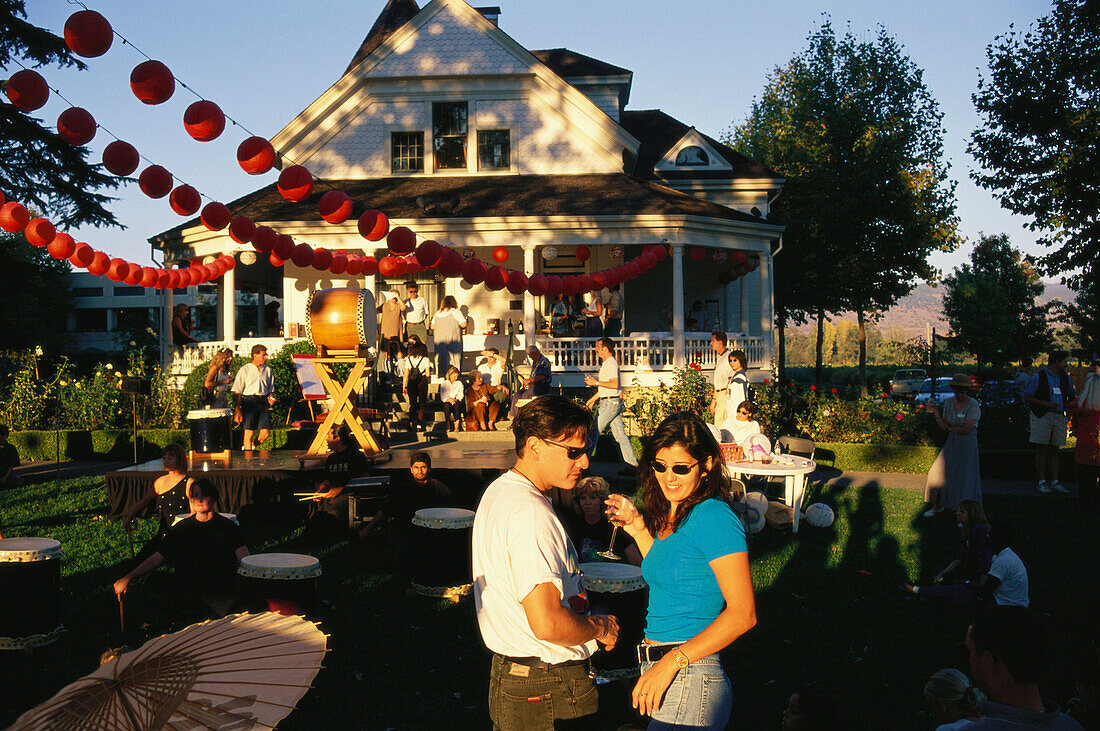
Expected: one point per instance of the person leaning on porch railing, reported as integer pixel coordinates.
(723, 374)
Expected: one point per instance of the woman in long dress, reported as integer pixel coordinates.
(447, 326)
(955, 474)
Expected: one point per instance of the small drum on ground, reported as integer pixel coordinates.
(617, 589)
(279, 582)
(30, 575)
(209, 430)
(341, 319)
(441, 544)
(366, 496)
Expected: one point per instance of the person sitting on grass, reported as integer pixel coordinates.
(1006, 648)
(205, 549)
(956, 703)
(9, 460)
(958, 582)
(1006, 582)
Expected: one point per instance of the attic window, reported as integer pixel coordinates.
(693, 155)
(449, 131)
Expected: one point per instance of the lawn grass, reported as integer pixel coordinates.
(826, 607)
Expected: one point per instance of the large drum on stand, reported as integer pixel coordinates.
(617, 589)
(30, 576)
(209, 430)
(441, 545)
(279, 582)
(341, 320)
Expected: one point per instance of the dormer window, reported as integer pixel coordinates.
(692, 156)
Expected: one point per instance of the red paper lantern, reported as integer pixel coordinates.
(14, 217)
(188, 277)
(302, 255)
(204, 120)
(500, 254)
(322, 259)
(585, 283)
(401, 240)
(284, 246)
(27, 90)
(99, 263)
(570, 286)
(496, 278)
(600, 280)
(134, 275)
(698, 253)
(185, 200)
(163, 279)
(754, 263)
(149, 277)
(155, 181)
(517, 283)
(295, 183)
(373, 225)
(583, 253)
(737, 257)
(474, 271)
(62, 246)
(355, 265)
(120, 158)
(412, 266)
(537, 284)
(451, 264)
(255, 156)
(275, 260)
(82, 255)
(152, 82)
(76, 126)
(335, 206)
(725, 277)
(215, 216)
(339, 263)
(39, 232)
(370, 266)
(2, 199)
(172, 279)
(553, 285)
(388, 266)
(88, 34)
(241, 229)
(117, 269)
(429, 253)
(263, 240)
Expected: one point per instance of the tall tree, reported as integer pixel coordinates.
(1083, 315)
(990, 304)
(35, 298)
(1040, 133)
(859, 137)
(37, 167)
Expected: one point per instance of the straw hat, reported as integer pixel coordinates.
(961, 380)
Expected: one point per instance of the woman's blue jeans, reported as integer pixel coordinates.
(700, 697)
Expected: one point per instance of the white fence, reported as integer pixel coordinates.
(647, 351)
(182, 360)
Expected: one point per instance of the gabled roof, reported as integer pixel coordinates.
(393, 16)
(486, 196)
(571, 65)
(658, 132)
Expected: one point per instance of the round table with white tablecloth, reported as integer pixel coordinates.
(791, 468)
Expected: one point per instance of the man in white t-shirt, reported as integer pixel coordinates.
(723, 373)
(609, 394)
(531, 607)
(254, 386)
(416, 314)
(1006, 581)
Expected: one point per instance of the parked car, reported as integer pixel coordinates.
(998, 393)
(924, 393)
(906, 382)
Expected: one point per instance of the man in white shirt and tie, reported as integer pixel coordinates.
(254, 386)
(416, 314)
(608, 394)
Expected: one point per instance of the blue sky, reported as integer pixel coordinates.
(702, 61)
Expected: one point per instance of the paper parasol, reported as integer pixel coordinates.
(244, 671)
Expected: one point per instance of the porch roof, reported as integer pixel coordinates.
(488, 196)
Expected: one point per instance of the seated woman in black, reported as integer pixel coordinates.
(590, 530)
(958, 582)
(169, 493)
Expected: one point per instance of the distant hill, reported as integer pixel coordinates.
(924, 306)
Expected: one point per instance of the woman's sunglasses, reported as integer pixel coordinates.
(573, 453)
(677, 469)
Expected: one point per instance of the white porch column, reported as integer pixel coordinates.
(678, 305)
(767, 307)
(166, 329)
(528, 298)
(227, 308)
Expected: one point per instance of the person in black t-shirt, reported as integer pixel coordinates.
(344, 463)
(590, 530)
(204, 549)
(420, 490)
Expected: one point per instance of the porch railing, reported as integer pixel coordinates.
(646, 351)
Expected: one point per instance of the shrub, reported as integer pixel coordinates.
(689, 391)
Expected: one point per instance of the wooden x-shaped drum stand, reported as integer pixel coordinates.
(342, 411)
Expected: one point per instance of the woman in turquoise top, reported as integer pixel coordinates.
(696, 562)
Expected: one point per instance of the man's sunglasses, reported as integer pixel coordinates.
(573, 453)
(677, 469)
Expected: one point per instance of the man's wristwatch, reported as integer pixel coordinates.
(681, 659)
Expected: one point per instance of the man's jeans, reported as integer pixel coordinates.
(522, 698)
(610, 413)
(700, 697)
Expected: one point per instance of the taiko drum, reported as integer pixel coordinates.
(341, 319)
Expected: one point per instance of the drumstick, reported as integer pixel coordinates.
(121, 616)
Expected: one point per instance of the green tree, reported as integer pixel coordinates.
(1040, 117)
(37, 167)
(990, 304)
(35, 298)
(859, 138)
(1083, 316)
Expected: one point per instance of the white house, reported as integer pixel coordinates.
(104, 310)
(446, 124)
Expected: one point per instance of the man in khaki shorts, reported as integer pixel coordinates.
(1050, 394)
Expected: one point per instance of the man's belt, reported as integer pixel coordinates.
(537, 664)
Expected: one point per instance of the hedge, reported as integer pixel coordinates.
(116, 444)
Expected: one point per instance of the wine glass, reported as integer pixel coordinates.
(610, 554)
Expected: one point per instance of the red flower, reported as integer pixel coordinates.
(813, 388)
(899, 416)
(695, 366)
(766, 381)
(832, 390)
